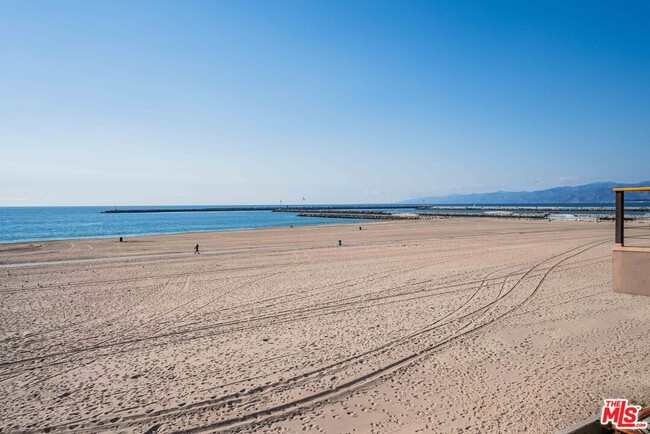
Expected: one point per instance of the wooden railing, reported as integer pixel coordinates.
(620, 211)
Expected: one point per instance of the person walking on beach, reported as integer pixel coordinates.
(196, 250)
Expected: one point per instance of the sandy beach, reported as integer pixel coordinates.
(448, 326)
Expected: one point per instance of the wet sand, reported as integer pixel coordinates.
(441, 326)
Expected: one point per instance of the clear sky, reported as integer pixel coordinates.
(241, 102)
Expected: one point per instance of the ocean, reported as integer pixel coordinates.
(52, 223)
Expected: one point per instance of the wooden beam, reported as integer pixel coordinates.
(617, 189)
(620, 217)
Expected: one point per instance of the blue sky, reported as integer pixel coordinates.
(227, 102)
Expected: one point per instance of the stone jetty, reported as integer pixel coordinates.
(387, 215)
(527, 208)
(255, 208)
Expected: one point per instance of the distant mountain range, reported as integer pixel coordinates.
(597, 192)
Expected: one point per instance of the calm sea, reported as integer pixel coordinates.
(51, 223)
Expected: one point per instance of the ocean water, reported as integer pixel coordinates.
(52, 223)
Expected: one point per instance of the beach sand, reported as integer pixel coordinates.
(451, 325)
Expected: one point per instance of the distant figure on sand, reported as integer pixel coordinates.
(196, 250)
